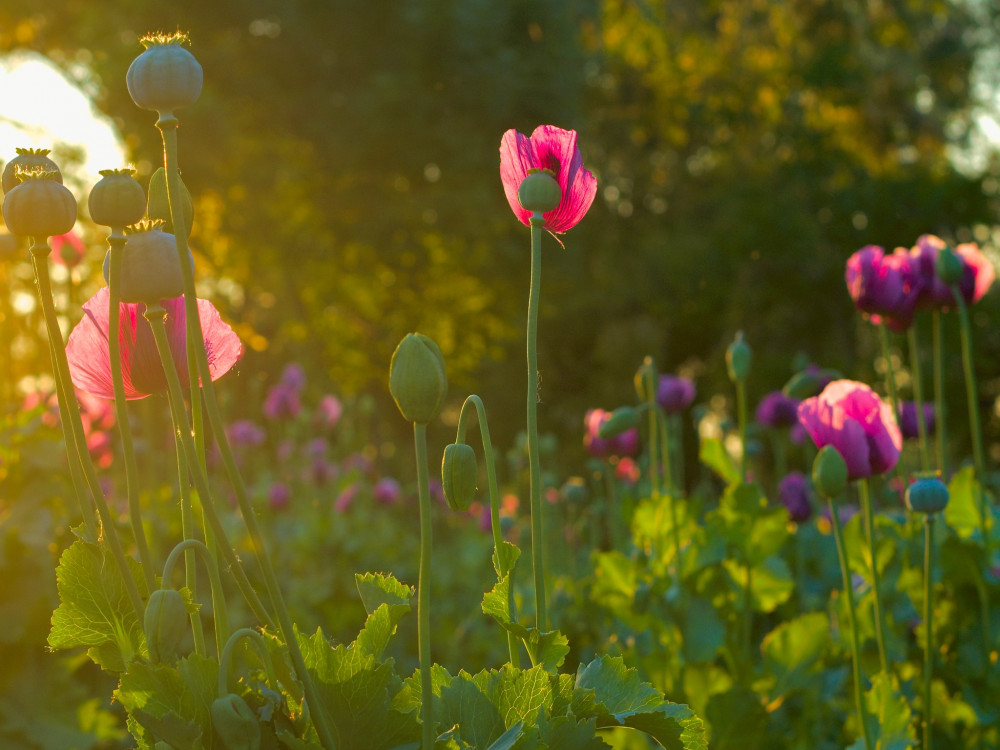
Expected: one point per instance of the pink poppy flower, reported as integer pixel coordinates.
(553, 149)
(90, 363)
(857, 423)
(625, 444)
(884, 286)
(977, 276)
(67, 249)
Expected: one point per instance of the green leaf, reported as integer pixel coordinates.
(771, 582)
(792, 649)
(171, 728)
(714, 455)
(377, 589)
(95, 609)
(704, 632)
(505, 557)
(962, 511)
(738, 719)
(890, 713)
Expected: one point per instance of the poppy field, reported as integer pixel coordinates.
(193, 569)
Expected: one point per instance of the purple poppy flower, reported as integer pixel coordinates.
(849, 416)
(282, 402)
(387, 491)
(674, 393)
(908, 419)
(884, 286)
(793, 490)
(625, 444)
(246, 432)
(778, 410)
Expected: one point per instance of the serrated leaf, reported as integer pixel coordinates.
(95, 609)
(379, 629)
(791, 650)
(171, 728)
(892, 720)
(377, 589)
(505, 557)
(569, 733)
(409, 697)
(714, 455)
(962, 511)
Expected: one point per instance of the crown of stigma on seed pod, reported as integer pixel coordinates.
(417, 379)
(829, 472)
(117, 200)
(166, 76)
(150, 268)
(27, 159)
(539, 192)
(928, 494)
(40, 206)
(459, 475)
(738, 357)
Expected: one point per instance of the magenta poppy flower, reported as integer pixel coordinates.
(328, 412)
(553, 149)
(778, 410)
(884, 286)
(674, 394)
(857, 423)
(90, 362)
(977, 273)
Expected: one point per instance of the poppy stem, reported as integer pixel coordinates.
(116, 241)
(647, 375)
(928, 624)
(424, 589)
(838, 535)
(666, 458)
(474, 401)
(537, 222)
(940, 423)
(226, 658)
(187, 532)
(918, 398)
(191, 547)
(869, 517)
(741, 415)
(70, 410)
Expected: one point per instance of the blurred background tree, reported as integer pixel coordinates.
(343, 158)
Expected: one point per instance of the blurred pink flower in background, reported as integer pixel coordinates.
(627, 470)
(387, 491)
(89, 357)
(977, 273)
(279, 496)
(884, 286)
(552, 149)
(625, 444)
(346, 497)
(245, 432)
(67, 249)
(328, 412)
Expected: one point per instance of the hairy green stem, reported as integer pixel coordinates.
(940, 423)
(187, 532)
(116, 240)
(667, 460)
(918, 398)
(534, 464)
(869, 517)
(39, 257)
(741, 415)
(845, 572)
(424, 588)
(928, 624)
(226, 658)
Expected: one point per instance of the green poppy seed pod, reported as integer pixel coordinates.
(158, 206)
(621, 420)
(117, 200)
(27, 159)
(539, 191)
(235, 723)
(459, 475)
(165, 76)
(646, 380)
(950, 267)
(150, 269)
(927, 495)
(40, 206)
(574, 490)
(165, 624)
(738, 357)
(829, 472)
(417, 379)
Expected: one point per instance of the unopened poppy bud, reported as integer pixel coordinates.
(927, 495)
(646, 380)
(117, 199)
(459, 475)
(40, 206)
(26, 160)
(808, 382)
(235, 723)
(158, 206)
(738, 357)
(950, 267)
(621, 420)
(150, 269)
(165, 76)
(829, 472)
(165, 624)
(417, 379)
(539, 192)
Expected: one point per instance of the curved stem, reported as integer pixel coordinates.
(187, 532)
(424, 588)
(928, 624)
(491, 475)
(866, 505)
(940, 423)
(845, 572)
(39, 255)
(918, 398)
(741, 411)
(191, 547)
(534, 464)
(226, 658)
(117, 242)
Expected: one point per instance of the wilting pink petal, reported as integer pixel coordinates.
(857, 423)
(553, 149)
(142, 373)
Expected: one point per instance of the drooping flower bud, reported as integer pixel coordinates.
(158, 205)
(738, 357)
(927, 495)
(28, 159)
(829, 472)
(150, 268)
(950, 267)
(235, 723)
(417, 379)
(459, 475)
(165, 76)
(539, 192)
(40, 206)
(165, 624)
(621, 420)
(117, 199)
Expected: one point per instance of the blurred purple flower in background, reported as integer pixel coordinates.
(387, 491)
(778, 410)
(793, 491)
(282, 402)
(279, 496)
(674, 393)
(908, 419)
(246, 432)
